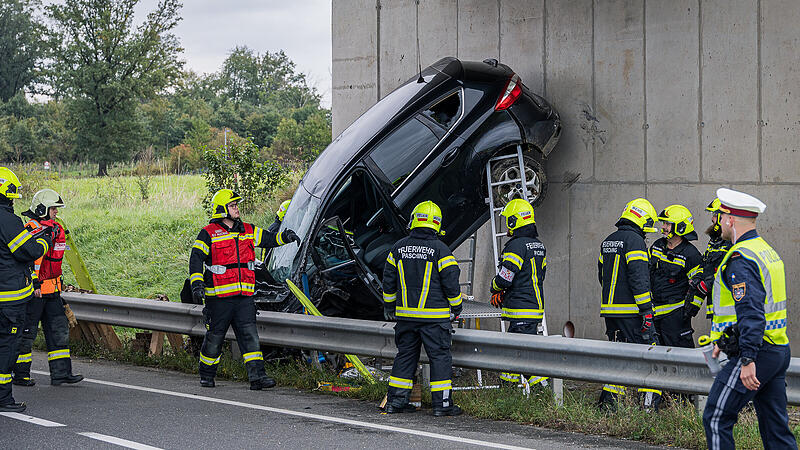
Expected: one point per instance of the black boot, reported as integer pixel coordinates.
(262, 383)
(69, 379)
(392, 409)
(453, 410)
(13, 407)
(207, 382)
(397, 401)
(24, 381)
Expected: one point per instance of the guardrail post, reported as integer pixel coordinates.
(700, 404)
(558, 391)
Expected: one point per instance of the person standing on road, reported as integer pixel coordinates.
(703, 282)
(422, 270)
(46, 305)
(221, 274)
(749, 325)
(624, 276)
(20, 246)
(673, 262)
(518, 286)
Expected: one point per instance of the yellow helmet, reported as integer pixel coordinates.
(714, 206)
(680, 217)
(642, 213)
(220, 201)
(44, 200)
(9, 183)
(426, 214)
(281, 212)
(518, 213)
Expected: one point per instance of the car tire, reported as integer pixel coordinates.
(508, 169)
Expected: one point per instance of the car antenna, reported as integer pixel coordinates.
(419, 59)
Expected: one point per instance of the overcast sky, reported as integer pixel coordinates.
(301, 28)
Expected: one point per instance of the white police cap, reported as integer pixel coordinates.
(739, 204)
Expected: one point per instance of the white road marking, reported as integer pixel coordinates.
(118, 441)
(31, 419)
(289, 412)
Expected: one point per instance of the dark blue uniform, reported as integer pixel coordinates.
(728, 394)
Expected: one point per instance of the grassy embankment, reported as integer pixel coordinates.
(139, 248)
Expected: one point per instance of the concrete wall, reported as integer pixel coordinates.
(663, 99)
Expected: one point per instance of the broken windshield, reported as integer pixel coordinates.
(298, 217)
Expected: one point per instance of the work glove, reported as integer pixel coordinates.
(198, 293)
(700, 286)
(497, 299)
(689, 309)
(207, 317)
(648, 332)
(290, 236)
(389, 314)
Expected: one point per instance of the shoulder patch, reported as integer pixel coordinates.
(739, 291)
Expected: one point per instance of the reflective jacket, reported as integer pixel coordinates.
(715, 252)
(623, 272)
(750, 292)
(521, 275)
(47, 270)
(420, 279)
(20, 246)
(670, 272)
(223, 258)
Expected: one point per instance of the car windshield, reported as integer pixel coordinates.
(298, 217)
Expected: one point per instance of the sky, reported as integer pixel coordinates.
(301, 28)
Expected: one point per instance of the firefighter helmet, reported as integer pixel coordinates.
(426, 214)
(714, 208)
(518, 213)
(281, 212)
(220, 201)
(642, 213)
(9, 183)
(681, 219)
(44, 200)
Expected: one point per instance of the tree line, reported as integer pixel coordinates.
(80, 80)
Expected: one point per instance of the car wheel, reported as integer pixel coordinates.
(508, 169)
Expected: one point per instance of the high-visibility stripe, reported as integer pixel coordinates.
(455, 301)
(195, 277)
(58, 354)
(44, 244)
(26, 358)
(253, 356)
(403, 291)
(654, 391)
(661, 310)
(661, 256)
(697, 301)
(390, 259)
(5, 378)
(535, 281)
(258, 234)
(389, 298)
(642, 298)
(247, 288)
(495, 286)
(401, 383)
(444, 385)
(208, 361)
(523, 313)
(513, 258)
(279, 238)
(694, 271)
(223, 237)
(614, 389)
(20, 294)
(614, 273)
(512, 377)
(202, 246)
(19, 240)
(533, 380)
(636, 255)
(423, 313)
(619, 309)
(426, 284)
(446, 262)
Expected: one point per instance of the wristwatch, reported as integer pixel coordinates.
(745, 360)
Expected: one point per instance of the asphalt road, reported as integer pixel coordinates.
(134, 407)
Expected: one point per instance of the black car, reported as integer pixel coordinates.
(429, 139)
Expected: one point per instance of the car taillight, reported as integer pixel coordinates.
(510, 94)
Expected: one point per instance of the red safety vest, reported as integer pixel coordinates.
(48, 268)
(235, 252)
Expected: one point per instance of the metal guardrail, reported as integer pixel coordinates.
(667, 368)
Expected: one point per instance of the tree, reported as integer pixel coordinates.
(21, 46)
(105, 67)
(303, 141)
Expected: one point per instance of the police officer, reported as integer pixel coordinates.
(673, 262)
(221, 273)
(518, 286)
(703, 282)
(623, 272)
(46, 305)
(20, 246)
(421, 291)
(749, 301)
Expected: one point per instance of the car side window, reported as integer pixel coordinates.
(400, 152)
(445, 112)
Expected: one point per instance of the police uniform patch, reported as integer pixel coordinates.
(738, 291)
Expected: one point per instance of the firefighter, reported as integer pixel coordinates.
(626, 304)
(46, 305)
(421, 292)
(279, 215)
(20, 246)
(518, 286)
(673, 262)
(221, 274)
(702, 284)
(749, 325)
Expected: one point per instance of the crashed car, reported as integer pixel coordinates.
(429, 139)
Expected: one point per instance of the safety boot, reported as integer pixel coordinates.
(24, 381)
(454, 410)
(407, 408)
(207, 382)
(262, 383)
(69, 379)
(13, 407)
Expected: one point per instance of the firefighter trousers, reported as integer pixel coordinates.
(410, 337)
(524, 327)
(728, 396)
(48, 309)
(239, 312)
(12, 319)
(627, 329)
(673, 330)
